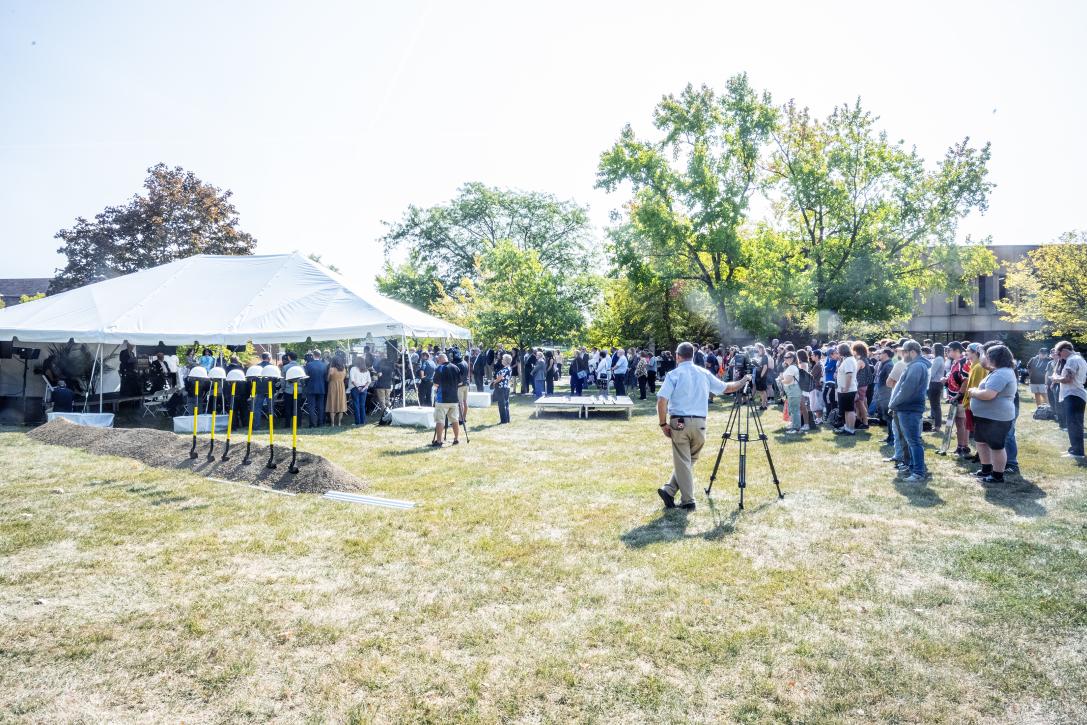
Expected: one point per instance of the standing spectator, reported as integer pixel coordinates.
(579, 372)
(1053, 389)
(619, 369)
(554, 370)
(1071, 372)
(936, 377)
(807, 384)
(883, 392)
(908, 405)
(641, 373)
(426, 379)
(790, 380)
(479, 367)
(957, 374)
(336, 396)
(316, 388)
(651, 372)
(866, 375)
(539, 376)
(762, 374)
(846, 374)
(382, 380)
(528, 361)
(501, 387)
(1036, 376)
(447, 378)
(830, 384)
(207, 360)
(816, 395)
(973, 380)
(993, 407)
(359, 377)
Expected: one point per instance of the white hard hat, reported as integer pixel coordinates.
(198, 373)
(254, 371)
(217, 373)
(271, 372)
(296, 373)
(235, 376)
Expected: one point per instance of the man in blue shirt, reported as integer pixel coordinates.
(317, 372)
(426, 378)
(682, 404)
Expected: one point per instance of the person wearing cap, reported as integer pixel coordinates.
(907, 404)
(682, 405)
(1071, 374)
(1036, 376)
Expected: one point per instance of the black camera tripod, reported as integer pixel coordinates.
(743, 436)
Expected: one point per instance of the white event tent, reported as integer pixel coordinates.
(225, 300)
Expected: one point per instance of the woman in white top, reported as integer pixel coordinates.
(358, 380)
(790, 381)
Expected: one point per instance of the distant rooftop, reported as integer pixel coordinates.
(12, 288)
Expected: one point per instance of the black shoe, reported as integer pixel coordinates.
(980, 473)
(992, 479)
(456, 442)
(689, 506)
(669, 499)
(435, 444)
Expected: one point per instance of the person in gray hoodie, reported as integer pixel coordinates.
(908, 405)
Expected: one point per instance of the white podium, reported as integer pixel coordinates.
(413, 415)
(479, 400)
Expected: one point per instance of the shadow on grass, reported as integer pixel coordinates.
(1019, 494)
(918, 494)
(672, 524)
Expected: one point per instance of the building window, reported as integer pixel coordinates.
(983, 291)
(1002, 286)
(962, 302)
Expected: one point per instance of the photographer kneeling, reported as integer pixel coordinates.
(681, 407)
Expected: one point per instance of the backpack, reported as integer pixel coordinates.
(1044, 412)
(807, 382)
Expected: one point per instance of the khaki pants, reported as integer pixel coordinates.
(686, 445)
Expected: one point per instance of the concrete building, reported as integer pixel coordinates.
(972, 317)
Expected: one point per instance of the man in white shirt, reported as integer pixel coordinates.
(619, 373)
(1071, 373)
(682, 404)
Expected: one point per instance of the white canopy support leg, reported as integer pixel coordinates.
(87, 393)
(403, 371)
(101, 375)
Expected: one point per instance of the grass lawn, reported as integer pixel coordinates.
(540, 581)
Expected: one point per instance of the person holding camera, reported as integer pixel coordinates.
(682, 405)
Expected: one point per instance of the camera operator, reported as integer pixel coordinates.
(447, 379)
(682, 404)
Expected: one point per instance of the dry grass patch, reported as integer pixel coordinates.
(538, 581)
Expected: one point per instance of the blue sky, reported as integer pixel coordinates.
(327, 118)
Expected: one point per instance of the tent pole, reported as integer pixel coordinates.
(87, 393)
(101, 375)
(403, 372)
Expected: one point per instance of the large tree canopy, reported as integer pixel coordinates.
(870, 223)
(179, 216)
(1049, 288)
(517, 300)
(448, 240)
(692, 188)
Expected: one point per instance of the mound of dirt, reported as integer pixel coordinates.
(162, 449)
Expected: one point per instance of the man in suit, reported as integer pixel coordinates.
(479, 367)
(316, 370)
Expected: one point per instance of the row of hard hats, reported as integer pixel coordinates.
(268, 372)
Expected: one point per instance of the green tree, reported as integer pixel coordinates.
(1049, 288)
(179, 216)
(447, 241)
(692, 188)
(518, 300)
(870, 225)
(417, 286)
(653, 311)
(30, 298)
